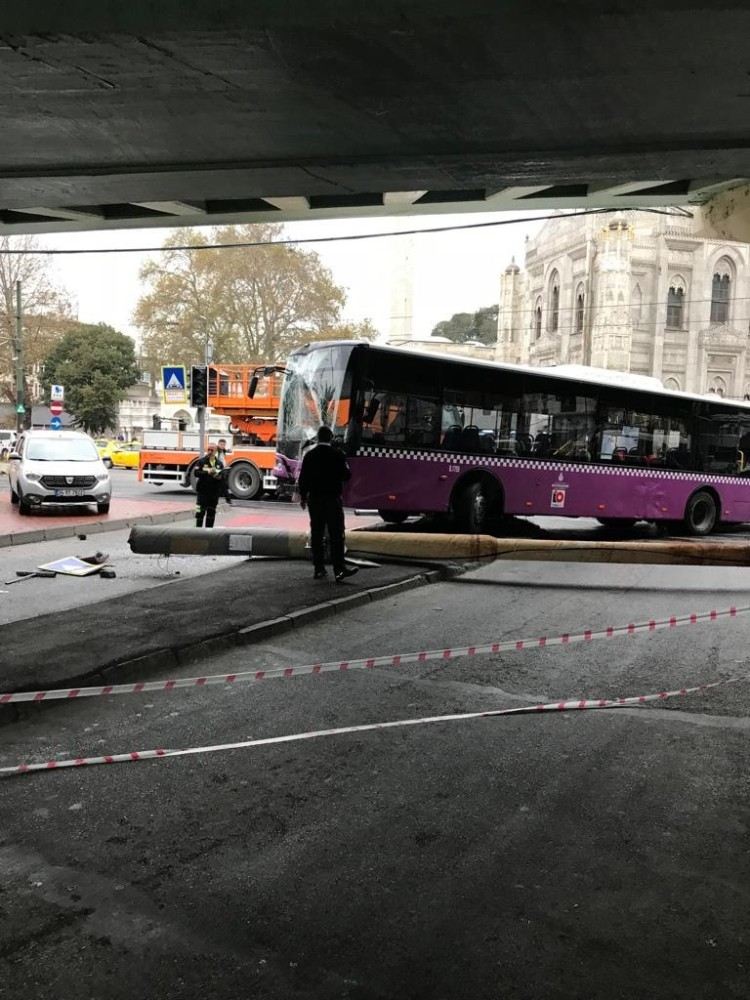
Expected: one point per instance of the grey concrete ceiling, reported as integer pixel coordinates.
(159, 112)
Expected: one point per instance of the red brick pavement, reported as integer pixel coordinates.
(56, 522)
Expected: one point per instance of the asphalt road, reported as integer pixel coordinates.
(597, 855)
(27, 598)
(125, 484)
(31, 597)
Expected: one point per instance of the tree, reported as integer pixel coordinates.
(363, 330)
(253, 304)
(47, 311)
(96, 364)
(481, 325)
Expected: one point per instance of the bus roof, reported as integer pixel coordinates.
(565, 373)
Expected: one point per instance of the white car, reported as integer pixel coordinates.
(57, 467)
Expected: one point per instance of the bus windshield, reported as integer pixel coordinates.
(316, 391)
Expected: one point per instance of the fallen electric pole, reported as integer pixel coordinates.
(169, 540)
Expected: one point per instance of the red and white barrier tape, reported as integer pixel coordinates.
(578, 704)
(367, 663)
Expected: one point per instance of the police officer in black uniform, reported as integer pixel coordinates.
(322, 476)
(209, 485)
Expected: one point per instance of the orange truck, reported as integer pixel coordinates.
(171, 456)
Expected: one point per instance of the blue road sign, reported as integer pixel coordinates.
(174, 382)
(55, 423)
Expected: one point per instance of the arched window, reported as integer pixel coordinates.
(721, 287)
(676, 304)
(580, 303)
(554, 302)
(538, 320)
(718, 386)
(636, 304)
(672, 384)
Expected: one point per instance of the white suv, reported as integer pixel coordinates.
(57, 467)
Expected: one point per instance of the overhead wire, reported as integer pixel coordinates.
(676, 211)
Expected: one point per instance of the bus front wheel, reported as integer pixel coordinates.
(478, 507)
(701, 515)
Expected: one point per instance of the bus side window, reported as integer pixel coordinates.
(393, 417)
(452, 438)
(372, 419)
(721, 443)
(422, 422)
(743, 452)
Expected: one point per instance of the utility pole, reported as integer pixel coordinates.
(18, 352)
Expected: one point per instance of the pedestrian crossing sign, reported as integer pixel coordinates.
(175, 384)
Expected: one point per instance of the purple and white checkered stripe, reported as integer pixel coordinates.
(493, 461)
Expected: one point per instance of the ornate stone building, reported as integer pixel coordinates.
(637, 292)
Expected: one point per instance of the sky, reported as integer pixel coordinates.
(453, 272)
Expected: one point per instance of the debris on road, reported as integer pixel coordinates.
(98, 559)
(73, 566)
(23, 574)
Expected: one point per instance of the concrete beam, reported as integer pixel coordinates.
(169, 540)
(67, 214)
(171, 207)
(295, 203)
(401, 199)
(499, 199)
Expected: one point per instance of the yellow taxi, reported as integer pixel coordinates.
(105, 447)
(126, 456)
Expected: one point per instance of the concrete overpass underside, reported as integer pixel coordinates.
(163, 113)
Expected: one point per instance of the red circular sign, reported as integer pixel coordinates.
(56, 407)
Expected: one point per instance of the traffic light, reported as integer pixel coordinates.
(199, 385)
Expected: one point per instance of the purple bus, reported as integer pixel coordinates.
(430, 434)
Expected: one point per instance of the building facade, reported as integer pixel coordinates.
(638, 292)
(142, 409)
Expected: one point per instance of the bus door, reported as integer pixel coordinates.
(724, 449)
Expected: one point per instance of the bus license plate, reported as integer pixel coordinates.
(70, 493)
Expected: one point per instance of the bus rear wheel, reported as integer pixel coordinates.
(393, 516)
(478, 507)
(701, 514)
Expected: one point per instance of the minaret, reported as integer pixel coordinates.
(510, 316)
(611, 331)
(402, 292)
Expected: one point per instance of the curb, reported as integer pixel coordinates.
(96, 527)
(122, 671)
(159, 661)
